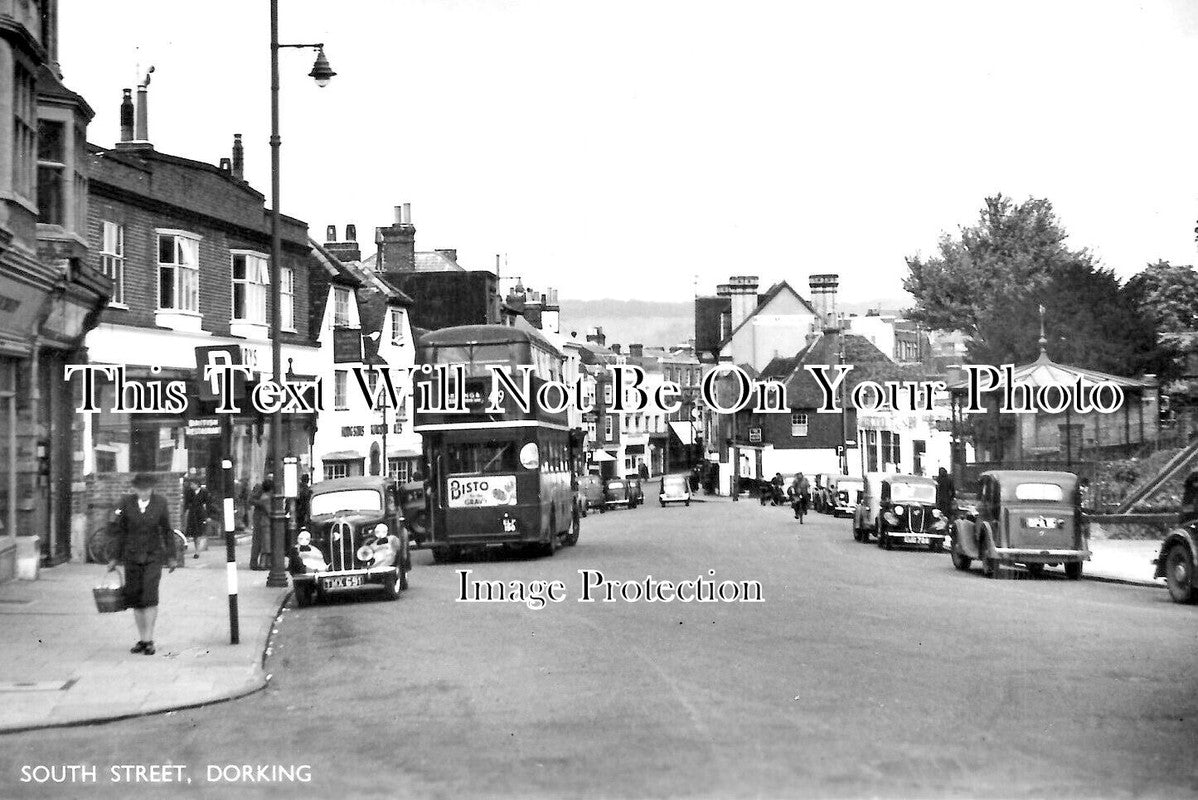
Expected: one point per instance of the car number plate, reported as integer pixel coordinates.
(917, 539)
(341, 582)
(1045, 523)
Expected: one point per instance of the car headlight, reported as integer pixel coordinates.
(936, 513)
(899, 510)
(891, 519)
(530, 457)
(381, 530)
(303, 538)
(365, 553)
(939, 525)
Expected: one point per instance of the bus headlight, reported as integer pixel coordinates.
(898, 510)
(530, 457)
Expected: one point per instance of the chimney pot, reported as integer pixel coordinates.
(407, 213)
(399, 215)
(351, 233)
(142, 123)
(238, 157)
(226, 165)
(127, 116)
(330, 233)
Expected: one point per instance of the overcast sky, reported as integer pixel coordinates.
(619, 149)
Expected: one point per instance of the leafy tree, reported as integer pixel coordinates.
(1090, 321)
(991, 281)
(1168, 294)
(1012, 248)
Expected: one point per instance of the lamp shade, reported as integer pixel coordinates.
(321, 71)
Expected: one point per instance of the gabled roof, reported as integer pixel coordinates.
(425, 262)
(763, 301)
(868, 362)
(336, 270)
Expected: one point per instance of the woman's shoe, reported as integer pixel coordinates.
(140, 647)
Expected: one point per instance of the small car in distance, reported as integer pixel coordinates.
(590, 493)
(1023, 517)
(355, 540)
(843, 495)
(675, 489)
(616, 493)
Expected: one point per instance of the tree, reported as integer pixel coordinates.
(1090, 321)
(1168, 294)
(991, 281)
(1012, 248)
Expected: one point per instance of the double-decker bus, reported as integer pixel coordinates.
(494, 478)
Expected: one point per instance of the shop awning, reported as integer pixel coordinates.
(342, 455)
(684, 431)
(396, 453)
(601, 456)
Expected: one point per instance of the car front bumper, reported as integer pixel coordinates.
(371, 577)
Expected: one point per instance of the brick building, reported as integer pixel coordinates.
(186, 245)
(49, 294)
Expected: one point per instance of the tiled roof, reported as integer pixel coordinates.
(436, 262)
(868, 362)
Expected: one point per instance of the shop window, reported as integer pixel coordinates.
(336, 469)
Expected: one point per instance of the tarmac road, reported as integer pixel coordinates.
(862, 673)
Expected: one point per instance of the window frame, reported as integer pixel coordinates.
(800, 428)
(340, 390)
(112, 262)
(341, 320)
(286, 298)
(178, 272)
(260, 286)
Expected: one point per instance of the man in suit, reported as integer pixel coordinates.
(143, 543)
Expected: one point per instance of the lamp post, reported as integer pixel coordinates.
(321, 73)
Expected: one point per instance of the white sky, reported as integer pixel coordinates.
(618, 149)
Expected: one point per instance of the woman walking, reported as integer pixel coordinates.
(143, 543)
(260, 544)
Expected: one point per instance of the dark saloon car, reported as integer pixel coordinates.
(900, 510)
(1024, 517)
(616, 493)
(355, 540)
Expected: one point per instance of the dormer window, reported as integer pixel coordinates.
(340, 307)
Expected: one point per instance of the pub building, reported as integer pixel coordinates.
(186, 245)
(49, 294)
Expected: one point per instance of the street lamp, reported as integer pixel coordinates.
(321, 73)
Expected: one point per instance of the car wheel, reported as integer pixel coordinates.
(960, 560)
(303, 595)
(1073, 570)
(1035, 570)
(1179, 574)
(391, 585)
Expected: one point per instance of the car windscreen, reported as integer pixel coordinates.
(486, 458)
(913, 492)
(1050, 492)
(346, 500)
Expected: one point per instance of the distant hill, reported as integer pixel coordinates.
(655, 323)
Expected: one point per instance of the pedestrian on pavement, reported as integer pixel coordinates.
(143, 542)
(946, 493)
(303, 501)
(195, 514)
(643, 471)
(802, 490)
(260, 544)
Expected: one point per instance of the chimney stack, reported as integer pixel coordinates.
(127, 116)
(397, 243)
(343, 251)
(636, 350)
(615, 348)
(238, 158)
(823, 300)
(742, 290)
(595, 336)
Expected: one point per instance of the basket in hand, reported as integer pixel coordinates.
(110, 598)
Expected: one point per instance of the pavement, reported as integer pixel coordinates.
(66, 664)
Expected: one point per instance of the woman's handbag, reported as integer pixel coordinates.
(110, 598)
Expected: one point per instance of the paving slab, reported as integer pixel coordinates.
(53, 634)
